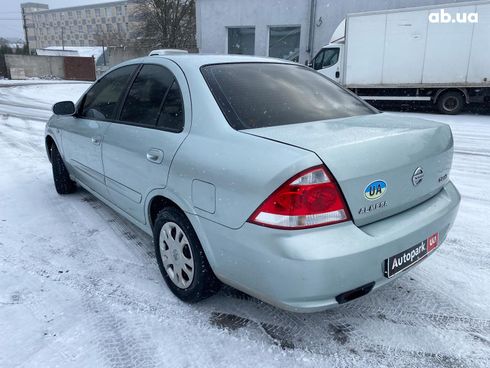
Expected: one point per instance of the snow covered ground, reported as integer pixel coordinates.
(80, 287)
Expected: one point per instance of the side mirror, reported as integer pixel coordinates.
(64, 108)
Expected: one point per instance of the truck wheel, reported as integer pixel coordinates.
(62, 181)
(450, 103)
(181, 259)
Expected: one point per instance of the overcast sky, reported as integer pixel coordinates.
(10, 16)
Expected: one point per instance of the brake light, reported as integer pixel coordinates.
(309, 199)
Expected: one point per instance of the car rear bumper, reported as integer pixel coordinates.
(304, 270)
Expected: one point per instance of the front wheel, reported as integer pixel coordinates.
(450, 103)
(180, 257)
(62, 181)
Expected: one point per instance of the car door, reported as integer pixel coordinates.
(83, 133)
(330, 65)
(138, 149)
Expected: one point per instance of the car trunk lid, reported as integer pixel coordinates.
(383, 163)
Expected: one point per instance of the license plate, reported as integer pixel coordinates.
(412, 255)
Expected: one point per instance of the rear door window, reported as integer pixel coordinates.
(101, 101)
(154, 100)
(172, 115)
(257, 95)
(144, 100)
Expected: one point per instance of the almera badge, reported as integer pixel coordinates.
(375, 190)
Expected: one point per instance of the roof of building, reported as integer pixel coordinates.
(34, 5)
(86, 51)
(82, 7)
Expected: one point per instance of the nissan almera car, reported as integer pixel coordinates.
(258, 173)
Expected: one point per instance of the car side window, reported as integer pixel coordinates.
(330, 57)
(144, 101)
(318, 61)
(172, 115)
(101, 100)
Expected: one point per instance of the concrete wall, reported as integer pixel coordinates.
(214, 16)
(116, 55)
(37, 66)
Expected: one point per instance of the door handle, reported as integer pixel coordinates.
(155, 155)
(337, 74)
(96, 140)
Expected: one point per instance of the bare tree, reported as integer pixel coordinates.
(167, 23)
(112, 38)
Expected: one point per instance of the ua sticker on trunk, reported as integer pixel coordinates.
(375, 190)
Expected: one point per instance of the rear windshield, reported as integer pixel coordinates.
(257, 95)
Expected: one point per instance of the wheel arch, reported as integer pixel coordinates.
(156, 204)
(161, 198)
(49, 142)
(441, 91)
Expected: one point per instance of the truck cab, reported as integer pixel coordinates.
(328, 61)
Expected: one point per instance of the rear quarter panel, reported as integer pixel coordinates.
(244, 170)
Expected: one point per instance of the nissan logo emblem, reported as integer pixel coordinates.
(418, 176)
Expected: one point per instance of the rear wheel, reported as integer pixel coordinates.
(181, 259)
(62, 181)
(450, 103)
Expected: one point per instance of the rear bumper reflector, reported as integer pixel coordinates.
(354, 293)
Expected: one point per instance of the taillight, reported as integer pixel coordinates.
(309, 199)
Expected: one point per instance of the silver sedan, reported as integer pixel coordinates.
(258, 173)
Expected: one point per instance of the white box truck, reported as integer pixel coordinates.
(437, 53)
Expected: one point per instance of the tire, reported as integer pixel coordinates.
(450, 103)
(189, 284)
(62, 181)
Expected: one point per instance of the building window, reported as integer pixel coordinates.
(241, 41)
(284, 42)
(97, 12)
(79, 13)
(87, 12)
(109, 27)
(119, 10)
(70, 14)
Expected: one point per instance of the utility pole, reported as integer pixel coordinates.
(62, 38)
(25, 28)
(103, 51)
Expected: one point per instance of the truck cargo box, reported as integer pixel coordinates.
(407, 47)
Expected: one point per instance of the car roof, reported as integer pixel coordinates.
(198, 60)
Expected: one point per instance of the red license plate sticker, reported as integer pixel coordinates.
(432, 242)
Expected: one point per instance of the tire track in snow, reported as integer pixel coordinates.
(342, 332)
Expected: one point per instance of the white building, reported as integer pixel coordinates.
(290, 29)
(77, 25)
